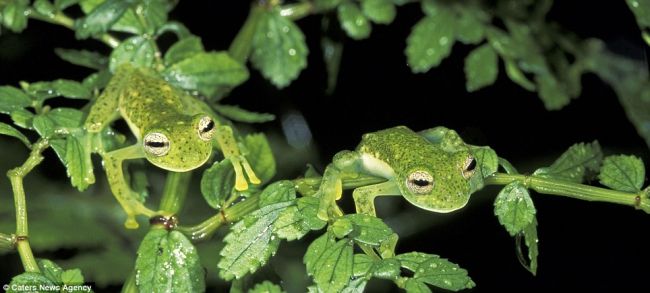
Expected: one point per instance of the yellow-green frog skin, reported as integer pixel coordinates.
(172, 132)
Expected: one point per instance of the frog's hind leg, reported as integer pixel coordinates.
(228, 145)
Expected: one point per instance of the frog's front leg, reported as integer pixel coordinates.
(448, 139)
(331, 186)
(127, 198)
(228, 145)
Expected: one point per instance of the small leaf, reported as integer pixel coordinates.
(260, 156)
(30, 280)
(78, 163)
(72, 277)
(251, 242)
(469, 27)
(183, 49)
(44, 7)
(487, 164)
(138, 51)
(101, 18)
(308, 207)
(332, 267)
(518, 77)
(530, 237)
(514, 208)
(363, 265)
(415, 286)
(279, 191)
(481, 68)
(58, 88)
(316, 250)
(168, 262)
(623, 173)
(326, 4)
(12, 99)
(217, 183)
(279, 49)
(341, 227)
(14, 15)
(235, 113)
(84, 58)
(552, 92)
(206, 71)
(411, 260)
(22, 118)
(443, 274)
(574, 163)
(368, 229)
(388, 269)
(6, 129)
(353, 22)
(63, 4)
(266, 287)
(430, 41)
(290, 224)
(50, 270)
(379, 11)
(641, 10)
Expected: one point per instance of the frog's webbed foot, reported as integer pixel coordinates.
(230, 150)
(330, 190)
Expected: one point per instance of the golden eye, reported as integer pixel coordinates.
(206, 128)
(156, 144)
(419, 182)
(469, 167)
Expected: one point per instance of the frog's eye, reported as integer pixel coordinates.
(419, 182)
(206, 128)
(156, 144)
(469, 167)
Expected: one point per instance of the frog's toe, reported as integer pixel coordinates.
(131, 223)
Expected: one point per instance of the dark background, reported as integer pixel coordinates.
(583, 246)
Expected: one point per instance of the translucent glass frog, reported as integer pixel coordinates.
(174, 131)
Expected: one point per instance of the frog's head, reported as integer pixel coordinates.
(179, 145)
(440, 182)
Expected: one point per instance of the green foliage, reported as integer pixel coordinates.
(136, 50)
(353, 21)
(31, 282)
(379, 11)
(238, 114)
(624, 173)
(217, 183)
(183, 49)
(260, 156)
(487, 164)
(168, 262)
(206, 72)
(12, 99)
(14, 15)
(432, 270)
(430, 40)
(330, 262)
(266, 287)
(514, 208)
(6, 129)
(530, 238)
(481, 68)
(575, 163)
(101, 17)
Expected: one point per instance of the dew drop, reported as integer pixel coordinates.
(292, 52)
(285, 29)
(430, 51)
(443, 41)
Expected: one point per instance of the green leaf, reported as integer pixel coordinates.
(368, 229)
(44, 7)
(341, 228)
(552, 92)
(330, 263)
(279, 191)
(22, 118)
(530, 237)
(641, 10)
(78, 163)
(379, 11)
(14, 15)
(50, 270)
(235, 113)
(487, 164)
(518, 77)
(12, 99)
(168, 262)
(623, 173)
(251, 242)
(260, 156)
(217, 183)
(154, 14)
(470, 28)
(6, 129)
(206, 71)
(279, 49)
(58, 88)
(514, 208)
(430, 41)
(290, 224)
(411, 260)
(63, 4)
(326, 4)
(353, 22)
(138, 51)
(33, 281)
(101, 18)
(183, 49)
(363, 265)
(415, 286)
(388, 269)
(443, 274)
(481, 68)
(84, 58)
(72, 277)
(266, 287)
(308, 207)
(574, 163)
(46, 124)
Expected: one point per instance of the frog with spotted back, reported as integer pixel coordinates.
(174, 131)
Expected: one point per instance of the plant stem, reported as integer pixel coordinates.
(241, 46)
(6, 242)
(62, 19)
(16, 176)
(175, 191)
(231, 214)
(573, 190)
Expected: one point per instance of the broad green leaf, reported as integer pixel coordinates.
(469, 27)
(63, 4)
(14, 15)
(379, 11)
(50, 270)
(341, 228)
(183, 49)
(481, 68)
(168, 262)
(552, 92)
(279, 49)
(326, 4)
(6, 129)
(487, 163)
(355, 285)
(641, 10)
(330, 267)
(30, 280)
(308, 207)
(316, 250)
(217, 183)
(97, 80)
(260, 156)
(44, 7)
(101, 18)
(530, 238)
(353, 22)
(72, 277)
(22, 118)
(624, 173)
(518, 77)
(363, 265)
(84, 58)
(388, 269)
(206, 72)
(514, 208)
(78, 162)
(46, 124)
(290, 224)
(235, 113)
(415, 286)
(444, 274)
(58, 88)
(251, 242)
(411, 260)
(368, 229)
(154, 14)
(266, 287)
(279, 191)
(12, 99)
(430, 41)
(138, 51)
(574, 163)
